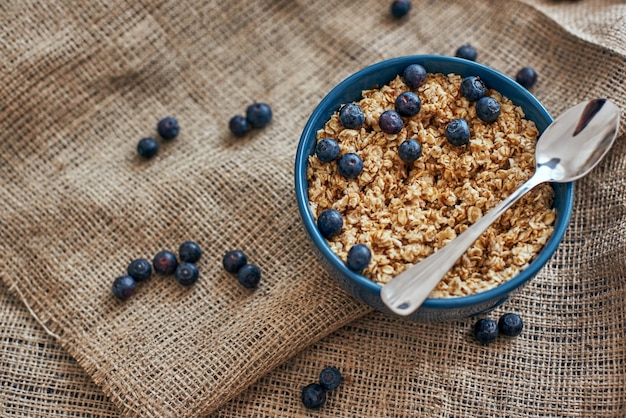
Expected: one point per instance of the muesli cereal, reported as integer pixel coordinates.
(405, 211)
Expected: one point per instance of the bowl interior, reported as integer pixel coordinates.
(381, 73)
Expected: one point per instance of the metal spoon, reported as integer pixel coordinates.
(568, 149)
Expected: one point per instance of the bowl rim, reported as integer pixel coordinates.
(301, 184)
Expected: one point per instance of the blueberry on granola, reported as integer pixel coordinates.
(350, 165)
(330, 378)
(249, 276)
(486, 331)
(234, 260)
(414, 76)
(467, 52)
(189, 252)
(186, 274)
(472, 88)
(487, 109)
(510, 324)
(408, 104)
(258, 114)
(168, 128)
(147, 147)
(330, 222)
(390, 122)
(527, 77)
(313, 396)
(239, 126)
(409, 150)
(327, 150)
(359, 257)
(165, 262)
(139, 269)
(124, 287)
(400, 8)
(351, 116)
(458, 132)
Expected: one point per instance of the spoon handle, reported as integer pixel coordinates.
(406, 292)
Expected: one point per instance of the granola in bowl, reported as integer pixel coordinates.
(405, 211)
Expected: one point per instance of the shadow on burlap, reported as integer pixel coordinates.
(83, 83)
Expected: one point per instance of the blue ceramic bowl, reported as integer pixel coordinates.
(382, 73)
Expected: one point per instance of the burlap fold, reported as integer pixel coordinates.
(83, 82)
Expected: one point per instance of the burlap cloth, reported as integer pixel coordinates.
(82, 82)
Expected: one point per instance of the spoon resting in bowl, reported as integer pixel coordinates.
(569, 148)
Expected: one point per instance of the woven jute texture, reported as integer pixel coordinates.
(82, 82)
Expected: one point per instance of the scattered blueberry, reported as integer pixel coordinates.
(510, 324)
(165, 262)
(189, 252)
(239, 126)
(408, 104)
(313, 396)
(350, 165)
(359, 257)
(527, 77)
(330, 378)
(458, 132)
(249, 276)
(234, 260)
(472, 88)
(399, 8)
(409, 150)
(168, 128)
(487, 109)
(258, 114)
(124, 287)
(351, 116)
(139, 269)
(147, 147)
(414, 76)
(486, 330)
(390, 122)
(467, 51)
(186, 274)
(330, 222)
(327, 150)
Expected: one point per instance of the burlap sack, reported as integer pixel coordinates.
(84, 82)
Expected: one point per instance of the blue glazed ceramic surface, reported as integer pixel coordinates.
(379, 74)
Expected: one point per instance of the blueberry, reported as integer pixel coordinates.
(399, 8)
(330, 378)
(527, 77)
(487, 109)
(351, 116)
(234, 260)
(186, 274)
(414, 76)
(168, 128)
(313, 396)
(458, 132)
(124, 287)
(467, 51)
(189, 252)
(359, 257)
(472, 88)
(327, 150)
(165, 262)
(147, 147)
(510, 324)
(330, 223)
(259, 114)
(139, 269)
(239, 126)
(390, 122)
(408, 104)
(486, 330)
(350, 165)
(249, 276)
(409, 150)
